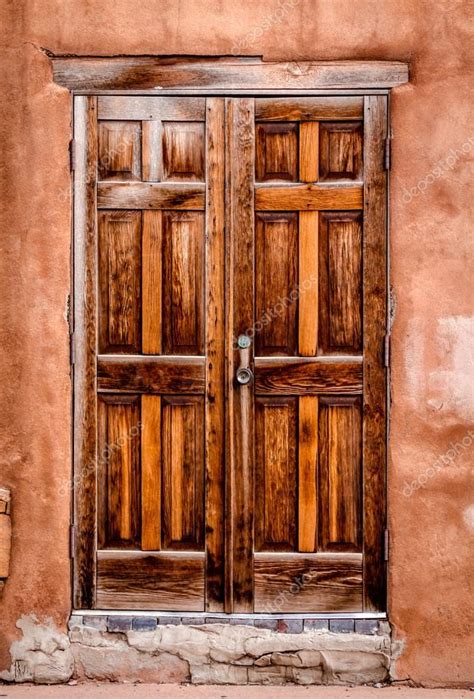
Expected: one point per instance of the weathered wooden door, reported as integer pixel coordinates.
(229, 331)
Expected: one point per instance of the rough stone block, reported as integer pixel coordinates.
(263, 661)
(218, 673)
(121, 663)
(366, 626)
(384, 628)
(265, 642)
(96, 622)
(146, 641)
(191, 643)
(267, 675)
(310, 658)
(285, 659)
(74, 621)
(227, 643)
(305, 675)
(341, 625)
(119, 623)
(316, 624)
(354, 667)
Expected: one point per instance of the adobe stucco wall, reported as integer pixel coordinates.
(431, 579)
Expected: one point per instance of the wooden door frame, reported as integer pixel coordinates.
(86, 78)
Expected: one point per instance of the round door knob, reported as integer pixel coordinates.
(244, 341)
(244, 376)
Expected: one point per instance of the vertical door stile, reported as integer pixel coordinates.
(215, 366)
(374, 324)
(240, 448)
(228, 385)
(85, 336)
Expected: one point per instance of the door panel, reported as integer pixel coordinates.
(119, 472)
(308, 262)
(275, 473)
(276, 264)
(183, 472)
(183, 280)
(340, 474)
(119, 281)
(119, 150)
(215, 235)
(159, 373)
(340, 282)
(340, 151)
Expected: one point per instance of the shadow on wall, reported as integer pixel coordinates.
(5, 536)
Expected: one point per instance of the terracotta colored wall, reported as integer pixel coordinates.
(431, 576)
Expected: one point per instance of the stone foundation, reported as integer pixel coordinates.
(203, 651)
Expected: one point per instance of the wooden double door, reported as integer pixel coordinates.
(229, 323)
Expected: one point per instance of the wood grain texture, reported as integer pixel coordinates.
(152, 282)
(340, 484)
(375, 319)
(150, 473)
(135, 107)
(119, 150)
(275, 473)
(276, 265)
(304, 376)
(240, 253)
(183, 151)
(308, 284)
(151, 195)
(119, 281)
(85, 330)
(143, 72)
(340, 282)
(183, 472)
(308, 449)
(183, 282)
(276, 152)
(152, 151)
(215, 354)
(148, 374)
(340, 156)
(308, 583)
(118, 472)
(307, 197)
(308, 108)
(309, 151)
(140, 580)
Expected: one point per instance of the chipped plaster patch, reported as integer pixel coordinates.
(42, 656)
(438, 367)
(468, 516)
(449, 386)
